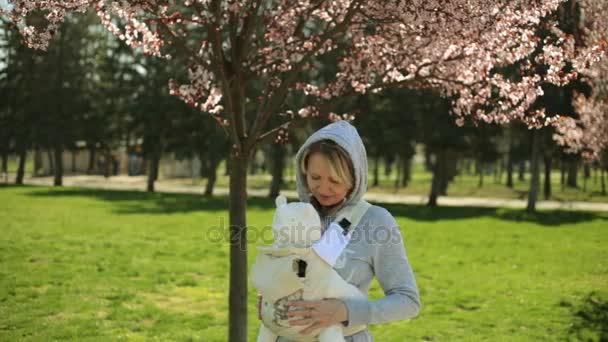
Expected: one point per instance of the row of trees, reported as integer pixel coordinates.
(252, 64)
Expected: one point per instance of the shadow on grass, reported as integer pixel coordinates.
(137, 202)
(590, 321)
(542, 217)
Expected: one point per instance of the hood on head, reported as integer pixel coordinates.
(346, 136)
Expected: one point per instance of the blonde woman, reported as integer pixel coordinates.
(332, 174)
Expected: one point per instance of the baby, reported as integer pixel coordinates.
(299, 267)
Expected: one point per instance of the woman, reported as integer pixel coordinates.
(332, 174)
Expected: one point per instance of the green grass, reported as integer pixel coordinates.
(106, 265)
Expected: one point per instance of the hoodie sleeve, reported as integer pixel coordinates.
(395, 275)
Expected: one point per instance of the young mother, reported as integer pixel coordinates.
(332, 174)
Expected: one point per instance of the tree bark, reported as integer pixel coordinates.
(562, 171)
(572, 174)
(586, 176)
(522, 171)
(603, 183)
(278, 167)
(211, 176)
(376, 171)
(407, 172)
(153, 171)
(510, 169)
(547, 185)
(480, 170)
(92, 152)
(398, 168)
(58, 179)
(438, 178)
(51, 162)
(534, 169)
(5, 162)
(21, 169)
(237, 298)
(73, 161)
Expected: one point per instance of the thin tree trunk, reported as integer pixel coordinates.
(547, 185)
(376, 170)
(572, 174)
(438, 174)
(509, 169)
(407, 172)
(398, 168)
(73, 161)
(153, 171)
(107, 170)
(58, 179)
(562, 170)
(534, 169)
(21, 168)
(522, 171)
(5, 162)
(92, 152)
(211, 176)
(278, 167)
(586, 176)
(603, 182)
(51, 162)
(237, 298)
(480, 170)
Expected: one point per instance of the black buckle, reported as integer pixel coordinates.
(345, 224)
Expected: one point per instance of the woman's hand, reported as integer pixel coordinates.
(317, 313)
(260, 306)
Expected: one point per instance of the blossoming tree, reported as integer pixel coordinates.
(262, 51)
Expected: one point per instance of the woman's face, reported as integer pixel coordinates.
(327, 190)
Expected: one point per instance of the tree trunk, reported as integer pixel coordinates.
(572, 174)
(547, 185)
(51, 162)
(562, 171)
(586, 176)
(509, 169)
(5, 162)
(21, 168)
(480, 170)
(398, 168)
(603, 182)
(376, 171)
(278, 153)
(438, 175)
(58, 179)
(108, 164)
(211, 176)
(407, 172)
(153, 171)
(522, 171)
(92, 152)
(237, 298)
(73, 161)
(534, 169)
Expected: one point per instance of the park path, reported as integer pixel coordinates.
(138, 183)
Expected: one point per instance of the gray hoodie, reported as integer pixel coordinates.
(375, 249)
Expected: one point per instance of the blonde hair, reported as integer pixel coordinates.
(340, 163)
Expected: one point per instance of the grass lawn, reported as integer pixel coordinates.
(92, 265)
